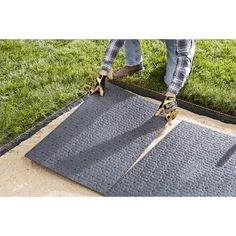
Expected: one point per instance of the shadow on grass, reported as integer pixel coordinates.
(153, 80)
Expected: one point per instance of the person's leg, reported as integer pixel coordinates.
(133, 59)
(171, 45)
(133, 54)
(171, 60)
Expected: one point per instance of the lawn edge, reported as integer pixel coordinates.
(200, 110)
(133, 88)
(31, 131)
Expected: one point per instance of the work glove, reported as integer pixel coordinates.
(169, 108)
(100, 82)
(99, 85)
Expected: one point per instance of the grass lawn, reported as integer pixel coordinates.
(212, 81)
(37, 77)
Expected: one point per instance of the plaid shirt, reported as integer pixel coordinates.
(183, 67)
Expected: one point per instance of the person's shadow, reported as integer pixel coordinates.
(226, 156)
(155, 79)
(75, 164)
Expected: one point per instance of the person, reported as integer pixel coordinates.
(180, 54)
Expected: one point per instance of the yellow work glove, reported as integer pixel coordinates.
(169, 108)
(99, 84)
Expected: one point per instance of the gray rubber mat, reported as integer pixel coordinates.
(190, 161)
(101, 139)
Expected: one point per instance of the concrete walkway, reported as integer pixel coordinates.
(21, 177)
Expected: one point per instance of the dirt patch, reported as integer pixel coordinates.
(21, 177)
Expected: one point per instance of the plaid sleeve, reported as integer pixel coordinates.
(184, 64)
(111, 53)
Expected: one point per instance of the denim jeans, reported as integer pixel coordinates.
(133, 56)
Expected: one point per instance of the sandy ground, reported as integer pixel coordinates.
(21, 177)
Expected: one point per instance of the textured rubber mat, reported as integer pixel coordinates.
(101, 139)
(190, 161)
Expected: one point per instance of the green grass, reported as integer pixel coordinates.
(212, 81)
(38, 77)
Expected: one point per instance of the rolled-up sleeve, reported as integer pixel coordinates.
(111, 53)
(184, 51)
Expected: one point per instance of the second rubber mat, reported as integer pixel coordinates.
(190, 161)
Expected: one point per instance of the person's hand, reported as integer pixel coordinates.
(99, 84)
(169, 108)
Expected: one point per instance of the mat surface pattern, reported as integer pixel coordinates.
(190, 161)
(100, 140)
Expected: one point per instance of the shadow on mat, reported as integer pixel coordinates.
(93, 107)
(91, 156)
(227, 156)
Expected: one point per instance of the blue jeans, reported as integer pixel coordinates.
(133, 56)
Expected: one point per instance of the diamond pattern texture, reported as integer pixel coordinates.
(101, 139)
(190, 161)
